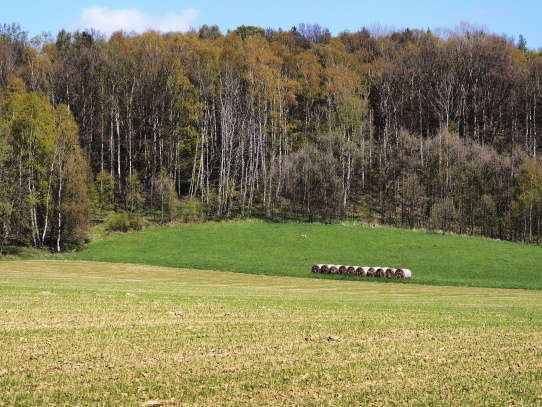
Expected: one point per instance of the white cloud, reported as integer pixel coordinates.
(131, 19)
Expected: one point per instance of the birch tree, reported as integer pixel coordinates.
(72, 206)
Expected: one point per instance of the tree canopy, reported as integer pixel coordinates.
(402, 128)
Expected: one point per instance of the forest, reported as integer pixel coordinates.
(402, 128)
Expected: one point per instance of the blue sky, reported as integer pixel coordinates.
(510, 17)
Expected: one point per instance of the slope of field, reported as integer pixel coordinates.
(80, 333)
(278, 249)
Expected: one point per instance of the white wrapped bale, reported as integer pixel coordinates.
(365, 271)
(389, 272)
(380, 272)
(333, 269)
(403, 273)
(351, 270)
(361, 271)
(341, 269)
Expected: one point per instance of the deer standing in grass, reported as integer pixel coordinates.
(303, 236)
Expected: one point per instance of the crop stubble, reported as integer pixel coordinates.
(86, 333)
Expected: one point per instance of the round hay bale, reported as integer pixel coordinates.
(403, 273)
(342, 269)
(333, 269)
(371, 272)
(390, 272)
(362, 271)
(380, 272)
(316, 268)
(324, 269)
(351, 270)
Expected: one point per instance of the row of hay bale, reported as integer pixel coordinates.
(387, 272)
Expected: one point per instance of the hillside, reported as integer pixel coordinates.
(278, 249)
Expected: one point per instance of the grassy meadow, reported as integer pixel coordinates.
(85, 333)
(140, 319)
(278, 249)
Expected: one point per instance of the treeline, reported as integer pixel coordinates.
(400, 128)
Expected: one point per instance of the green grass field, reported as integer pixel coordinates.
(83, 333)
(140, 320)
(278, 249)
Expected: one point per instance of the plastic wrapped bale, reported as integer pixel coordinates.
(317, 268)
(390, 272)
(365, 271)
(371, 272)
(351, 270)
(403, 273)
(380, 272)
(342, 269)
(333, 269)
